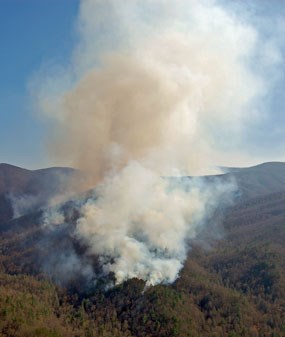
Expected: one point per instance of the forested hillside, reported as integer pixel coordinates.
(231, 285)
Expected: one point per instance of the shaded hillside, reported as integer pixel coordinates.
(259, 180)
(23, 191)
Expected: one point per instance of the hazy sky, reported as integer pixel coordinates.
(38, 33)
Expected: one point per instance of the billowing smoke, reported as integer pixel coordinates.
(154, 89)
(140, 223)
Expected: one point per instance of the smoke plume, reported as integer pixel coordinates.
(154, 89)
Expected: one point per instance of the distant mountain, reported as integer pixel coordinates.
(23, 191)
(23, 181)
(24, 186)
(258, 180)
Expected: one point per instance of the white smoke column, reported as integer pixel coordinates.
(174, 86)
(140, 223)
(155, 88)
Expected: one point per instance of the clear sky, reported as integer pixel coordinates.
(37, 32)
(32, 33)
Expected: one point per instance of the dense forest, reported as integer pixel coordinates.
(231, 285)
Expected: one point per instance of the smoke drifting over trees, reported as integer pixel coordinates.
(154, 89)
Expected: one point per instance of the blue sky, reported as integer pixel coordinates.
(32, 33)
(38, 32)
